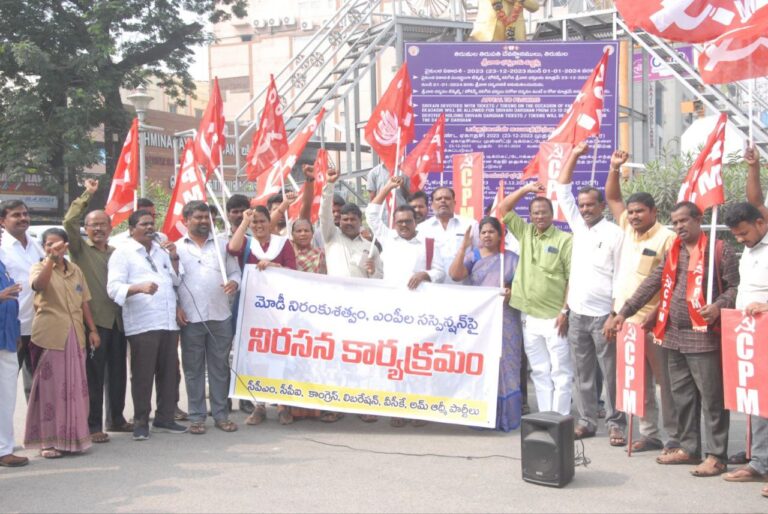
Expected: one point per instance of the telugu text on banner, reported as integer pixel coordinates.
(356, 345)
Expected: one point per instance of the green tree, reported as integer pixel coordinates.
(63, 62)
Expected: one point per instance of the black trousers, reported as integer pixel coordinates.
(154, 354)
(106, 369)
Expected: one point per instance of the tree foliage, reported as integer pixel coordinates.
(63, 62)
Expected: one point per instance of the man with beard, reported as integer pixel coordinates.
(689, 333)
(447, 228)
(204, 316)
(142, 278)
(108, 360)
(19, 252)
(420, 202)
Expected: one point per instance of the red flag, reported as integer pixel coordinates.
(394, 111)
(630, 369)
(745, 362)
(321, 172)
(689, 21)
(468, 184)
(270, 141)
(122, 192)
(268, 184)
(189, 186)
(704, 183)
(552, 157)
(209, 141)
(582, 119)
(426, 156)
(739, 54)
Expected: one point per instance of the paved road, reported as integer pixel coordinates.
(350, 466)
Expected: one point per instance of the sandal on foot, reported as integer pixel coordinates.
(99, 437)
(738, 458)
(397, 422)
(284, 417)
(744, 474)
(258, 415)
(51, 453)
(677, 456)
(197, 428)
(646, 444)
(616, 437)
(368, 418)
(764, 491)
(582, 432)
(330, 417)
(711, 467)
(226, 425)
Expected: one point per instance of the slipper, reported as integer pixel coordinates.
(744, 474)
(258, 415)
(647, 444)
(125, 427)
(368, 418)
(616, 437)
(226, 425)
(330, 417)
(99, 437)
(284, 417)
(397, 422)
(197, 428)
(677, 456)
(711, 467)
(582, 432)
(51, 453)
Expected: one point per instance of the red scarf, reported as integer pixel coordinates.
(694, 287)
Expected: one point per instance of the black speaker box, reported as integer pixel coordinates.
(547, 448)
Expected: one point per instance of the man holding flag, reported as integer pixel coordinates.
(688, 330)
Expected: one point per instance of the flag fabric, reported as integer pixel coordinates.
(270, 141)
(122, 192)
(739, 54)
(209, 141)
(704, 183)
(584, 117)
(689, 21)
(394, 111)
(268, 184)
(321, 172)
(189, 186)
(427, 156)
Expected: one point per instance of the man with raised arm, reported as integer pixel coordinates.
(646, 241)
(539, 293)
(596, 250)
(105, 367)
(346, 251)
(749, 224)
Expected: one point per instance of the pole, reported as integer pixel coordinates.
(751, 112)
(212, 195)
(594, 162)
(219, 258)
(142, 159)
(629, 433)
(749, 437)
(225, 193)
(712, 239)
(396, 174)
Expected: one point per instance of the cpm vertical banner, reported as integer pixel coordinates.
(745, 362)
(468, 184)
(552, 158)
(630, 369)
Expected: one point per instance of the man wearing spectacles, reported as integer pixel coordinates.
(106, 363)
(142, 277)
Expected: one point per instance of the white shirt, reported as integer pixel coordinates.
(594, 259)
(18, 260)
(402, 258)
(448, 240)
(753, 270)
(201, 294)
(131, 264)
(344, 257)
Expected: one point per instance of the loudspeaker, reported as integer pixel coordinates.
(547, 448)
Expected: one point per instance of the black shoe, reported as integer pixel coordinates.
(141, 433)
(169, 427)
(180, 415)
(246, 406)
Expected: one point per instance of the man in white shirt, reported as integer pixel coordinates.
(204, 315)
(408, 258)
(142, 204)
(595, 258)
(19, 252)
(447, 229)
(141, 279)
(346, 252)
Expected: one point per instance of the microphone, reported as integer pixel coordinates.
(156, 238)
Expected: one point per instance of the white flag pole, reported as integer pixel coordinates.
(225, 193)
(219, 258)
(396, 174)
(594, 161)
(751, 112)
(712, 239)
(212, 196)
